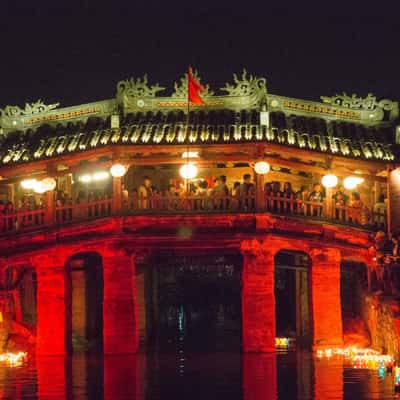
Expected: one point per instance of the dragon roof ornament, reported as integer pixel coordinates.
(246, 86)
(181, 88)
(137, 88)
(354, 101)
(37, 107)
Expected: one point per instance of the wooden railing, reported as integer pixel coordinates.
(83, 210)
(22, 220)
(191, 204)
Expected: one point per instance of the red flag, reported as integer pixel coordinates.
(194, 88)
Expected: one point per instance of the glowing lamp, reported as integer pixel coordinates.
(85, 178)
(351, 182)
(188, 171)
(261, 167)
(100, 176)
(48, 184)
(38, 187)
(118, 170)
(28, 184)
(329, 180)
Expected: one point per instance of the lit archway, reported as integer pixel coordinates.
(292, 296)
(85, 302)
(190, 299)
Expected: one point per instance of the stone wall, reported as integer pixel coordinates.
(382, 315)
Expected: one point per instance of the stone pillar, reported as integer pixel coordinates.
(326, 305)
(120, 333)
(52, 297)
(258, 298)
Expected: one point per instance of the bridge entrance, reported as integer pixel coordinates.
(292, 296)
(190, 303)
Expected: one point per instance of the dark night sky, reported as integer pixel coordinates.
(77, 53)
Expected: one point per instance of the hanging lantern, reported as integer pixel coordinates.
(100, 176)
(86, 178)
(188, 171)
(28, 184)
(48, 184)
(351, 182)
(329, 180)
(261, 167)
(39, 188)
(118, 170)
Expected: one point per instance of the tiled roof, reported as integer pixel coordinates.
(205, 127)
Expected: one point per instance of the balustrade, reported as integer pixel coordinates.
(135, 204)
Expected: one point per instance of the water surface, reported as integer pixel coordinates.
(191, 376)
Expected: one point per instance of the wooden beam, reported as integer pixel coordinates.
(213, 153)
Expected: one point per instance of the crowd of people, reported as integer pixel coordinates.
(199, 195)
(278, 197)
(207, 194)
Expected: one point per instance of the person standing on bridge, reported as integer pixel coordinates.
(145, 194)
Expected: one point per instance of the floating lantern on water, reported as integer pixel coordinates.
(362, 358)
(13, 359)
(397, 379)
(282, 342)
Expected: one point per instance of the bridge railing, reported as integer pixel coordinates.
(22, 220)
(137, 204)
(85, 210)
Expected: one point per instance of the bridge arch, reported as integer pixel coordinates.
(293, 312)
(84, 301)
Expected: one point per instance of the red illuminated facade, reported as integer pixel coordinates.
(115, 221)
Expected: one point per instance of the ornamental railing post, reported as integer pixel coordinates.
(116, 196)
(49, 214)
(260, 196)
(329, 208)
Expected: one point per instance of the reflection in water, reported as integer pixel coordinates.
(291, 375)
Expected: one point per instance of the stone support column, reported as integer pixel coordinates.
(120, 331)
(52, 297)
(258, 298)
(326, 305)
